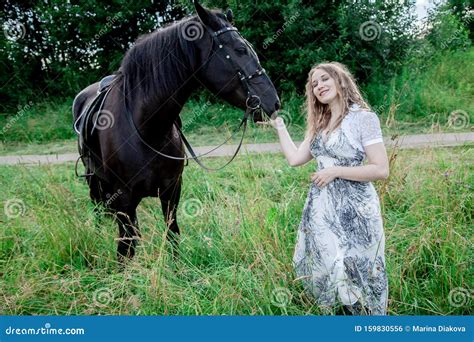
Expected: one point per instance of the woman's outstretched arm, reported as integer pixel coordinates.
(295, 156)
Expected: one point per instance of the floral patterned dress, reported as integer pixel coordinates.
(339, 254)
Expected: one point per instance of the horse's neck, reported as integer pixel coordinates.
(157, 117)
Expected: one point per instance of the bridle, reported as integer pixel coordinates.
(240, 73)
(252, 101)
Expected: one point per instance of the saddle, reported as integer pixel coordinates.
(85, 126)
(106, 82)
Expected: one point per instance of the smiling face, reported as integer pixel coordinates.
(329, 84)
(324, 86)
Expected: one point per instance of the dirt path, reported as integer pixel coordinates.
(406, 141)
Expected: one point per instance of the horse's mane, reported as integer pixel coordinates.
(147, 64)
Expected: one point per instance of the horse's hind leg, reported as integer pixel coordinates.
(96, 193)
(123, 206)
(94, 189)
(129, 233)
(169, 194)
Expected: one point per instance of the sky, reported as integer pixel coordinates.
(423, 5)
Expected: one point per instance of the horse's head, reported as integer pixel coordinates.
(230, 67)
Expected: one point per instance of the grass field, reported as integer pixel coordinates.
(238, 233)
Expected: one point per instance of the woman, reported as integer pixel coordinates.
(339, 254)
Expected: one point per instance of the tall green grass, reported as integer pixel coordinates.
(238, 234)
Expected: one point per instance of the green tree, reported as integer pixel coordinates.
(371, 37)
(463, 10)
(56, 47)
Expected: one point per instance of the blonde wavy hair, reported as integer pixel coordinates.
(319, 114)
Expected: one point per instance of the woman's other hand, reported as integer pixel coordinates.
(325, 176)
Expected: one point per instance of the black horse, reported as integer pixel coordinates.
(142, 106)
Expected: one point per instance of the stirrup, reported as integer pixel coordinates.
(75, 169)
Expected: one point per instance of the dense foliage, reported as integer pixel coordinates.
(54, 48)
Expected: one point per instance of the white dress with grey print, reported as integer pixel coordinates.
(339, 254)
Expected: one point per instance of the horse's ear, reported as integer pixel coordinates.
(202, 13)
(230, 16)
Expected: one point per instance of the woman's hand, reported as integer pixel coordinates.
(295, 156)
(276, 123)
(325, 176)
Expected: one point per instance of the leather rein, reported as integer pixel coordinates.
(250, 104)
